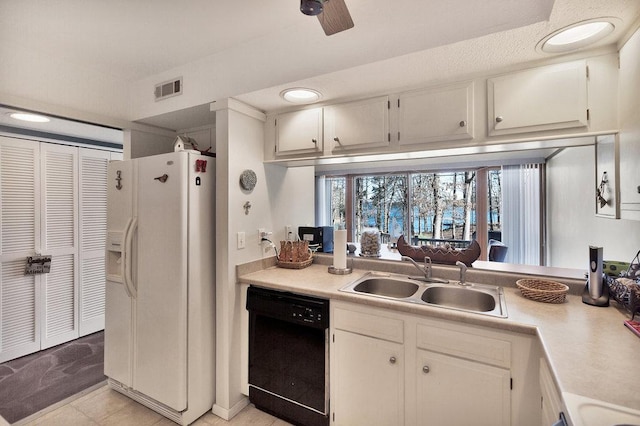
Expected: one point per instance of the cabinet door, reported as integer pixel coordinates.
(551, 401)
(362, 124)
(19, 238)
(93, 230)
(299, 132)
(367, 381)
(546, 98)
(452, 391)
(440, 114)
(59, 195)
(630, 128)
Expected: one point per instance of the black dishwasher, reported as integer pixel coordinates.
(288, 355)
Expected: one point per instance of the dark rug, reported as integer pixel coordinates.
(34, 382)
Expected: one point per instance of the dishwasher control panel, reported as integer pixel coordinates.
(306, 314)
(296, 308)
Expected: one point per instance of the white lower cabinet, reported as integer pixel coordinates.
(550, 400)
(370, 388)
(453, 391)
(392, 368)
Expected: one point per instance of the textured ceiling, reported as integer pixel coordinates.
(456, 60)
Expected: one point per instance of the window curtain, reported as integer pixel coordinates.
(521, 218)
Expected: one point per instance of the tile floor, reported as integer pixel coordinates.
(106, 407)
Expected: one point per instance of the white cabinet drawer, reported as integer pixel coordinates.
(483, 349)
(373, 325)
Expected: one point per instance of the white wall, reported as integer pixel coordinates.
(571, 221)
(142, 144)
(281, 197)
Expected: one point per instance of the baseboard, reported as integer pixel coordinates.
(228, 414)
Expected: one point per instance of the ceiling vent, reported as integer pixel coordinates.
(168, 89)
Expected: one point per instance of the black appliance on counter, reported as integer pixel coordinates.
(289, 355)
(322, 236)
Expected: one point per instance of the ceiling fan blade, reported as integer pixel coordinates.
(335, 17)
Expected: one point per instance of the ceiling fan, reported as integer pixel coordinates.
(332, 14)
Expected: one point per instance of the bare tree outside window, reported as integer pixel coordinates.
(338, 186)
(380, 202)
(495, 199)
(443, 205)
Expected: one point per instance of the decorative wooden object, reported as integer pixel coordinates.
(440, 254)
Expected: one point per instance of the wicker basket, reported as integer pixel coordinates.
(295, 265)
(543, 290)
(294, 255)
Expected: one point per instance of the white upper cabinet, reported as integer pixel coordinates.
(439, 114)
(629, 136)
(361, 124)
(299, 132)
(546, 98)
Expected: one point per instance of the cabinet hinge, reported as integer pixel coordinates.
(398, 103)
(511, 383)
(275, 122)
(618, 60)
(587, 72)
(334, 416)
(398, 135)
(588, 115)
(389, 137)
(388, 104)
(334, 338)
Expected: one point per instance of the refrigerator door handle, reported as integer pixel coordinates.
(128, 277)
(124, 255)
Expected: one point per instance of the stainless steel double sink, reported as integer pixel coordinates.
(469, 297)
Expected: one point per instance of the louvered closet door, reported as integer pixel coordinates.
(19, 238)
(59, 168)
(93, 230)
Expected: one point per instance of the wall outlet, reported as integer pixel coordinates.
(241, 240)
(261, 234)
(288, 233)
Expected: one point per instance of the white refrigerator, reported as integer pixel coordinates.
(160, 289)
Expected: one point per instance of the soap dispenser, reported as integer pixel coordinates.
(595, 293)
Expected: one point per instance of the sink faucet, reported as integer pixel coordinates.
(463, 273)
(426, 270)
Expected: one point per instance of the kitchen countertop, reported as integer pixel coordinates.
(588, 348)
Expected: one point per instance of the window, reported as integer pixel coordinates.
(441, 207)
(427, 207)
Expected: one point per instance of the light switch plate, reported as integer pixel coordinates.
(241, 240)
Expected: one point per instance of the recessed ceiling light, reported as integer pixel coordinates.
(299, 95)
(577, 36)
(27, 116)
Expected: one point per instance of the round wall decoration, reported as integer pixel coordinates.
(248, 180)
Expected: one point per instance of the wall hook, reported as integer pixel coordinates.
(118, 180)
